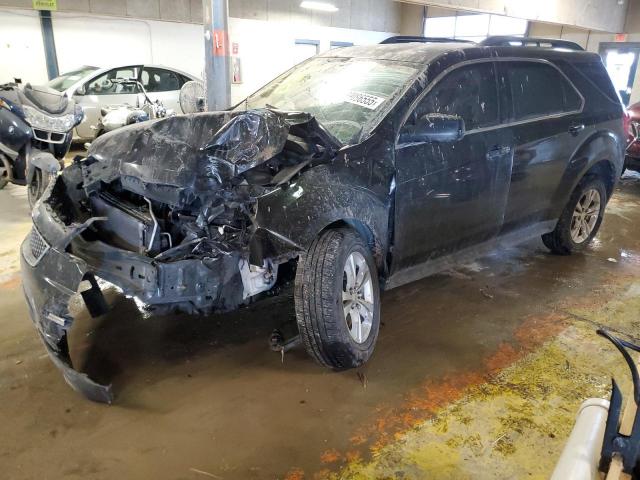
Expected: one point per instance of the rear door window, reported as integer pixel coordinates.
(159, 80)
(469, 92)
(183, 79)
(538, 90)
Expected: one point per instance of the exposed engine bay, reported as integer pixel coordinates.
(149, 205)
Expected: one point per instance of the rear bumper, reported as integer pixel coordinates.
(632, 162)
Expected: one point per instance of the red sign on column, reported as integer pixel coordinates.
(219, 43)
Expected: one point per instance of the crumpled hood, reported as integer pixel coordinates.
(178, 159)
(199, 151)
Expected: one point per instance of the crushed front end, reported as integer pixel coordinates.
(166, 212)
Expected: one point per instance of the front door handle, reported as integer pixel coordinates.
(497, 152)
(576, 129)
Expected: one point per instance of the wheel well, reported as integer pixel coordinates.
(367, 235)
(605, 170)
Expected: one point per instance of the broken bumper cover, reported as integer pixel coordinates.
(51, 276)
(49, 279)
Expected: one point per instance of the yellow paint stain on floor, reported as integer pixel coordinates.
(515, 424)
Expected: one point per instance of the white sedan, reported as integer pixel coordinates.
(93, 88)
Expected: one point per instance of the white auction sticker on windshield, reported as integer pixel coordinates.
(365, 100)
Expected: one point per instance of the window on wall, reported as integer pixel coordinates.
(475, 27)
(335, 44)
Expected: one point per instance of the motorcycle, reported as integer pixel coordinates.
(36, 129)
(116, 116)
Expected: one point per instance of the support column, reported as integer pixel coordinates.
(217, 74)
(49, 44)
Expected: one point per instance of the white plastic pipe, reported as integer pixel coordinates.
(581, 454)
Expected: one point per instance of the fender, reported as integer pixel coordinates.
(287, 220)
(601, 145)
(15, 133)
(45, 162)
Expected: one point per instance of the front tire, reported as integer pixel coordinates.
(580, 219)
(337, 299)
(4, 171)
(4, 178)
(37, 186)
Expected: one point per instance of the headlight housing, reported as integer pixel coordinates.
(42, 121)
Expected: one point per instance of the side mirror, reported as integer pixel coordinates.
(81, 90)
(434, 127)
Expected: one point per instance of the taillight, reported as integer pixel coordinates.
(629, 128)
(626, 122)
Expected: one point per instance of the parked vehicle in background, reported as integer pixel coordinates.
(361, 169)
(632, 158)
(116, 116)
(94, 89)
(36, 125)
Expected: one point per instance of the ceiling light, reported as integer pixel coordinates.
(322, 6)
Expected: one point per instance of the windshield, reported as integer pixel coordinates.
(65, 80)
(346, 95)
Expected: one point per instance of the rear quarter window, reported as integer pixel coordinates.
(600, 91)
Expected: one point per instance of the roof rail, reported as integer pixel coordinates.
(507, 41)
(419, 39)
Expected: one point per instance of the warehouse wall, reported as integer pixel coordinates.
(21, 48)
(106, 41)
(411, 19)
(375, 15)
(266, 47)
(603, 15)
(93, 40)
(547, 30)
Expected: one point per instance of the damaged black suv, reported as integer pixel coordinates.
(358, 170)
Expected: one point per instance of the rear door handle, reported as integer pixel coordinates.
(576, 129)
(497, 152)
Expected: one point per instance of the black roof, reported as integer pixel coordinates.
(508, 41)
(419, 39)
(425, 52)
(491, 41)
(400, 52)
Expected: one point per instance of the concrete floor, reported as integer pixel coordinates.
(478, 373)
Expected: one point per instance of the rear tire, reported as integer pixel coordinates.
(580, 219)
(337, 300)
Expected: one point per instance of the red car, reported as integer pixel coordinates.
(632, 126)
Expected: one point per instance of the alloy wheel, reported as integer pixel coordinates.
(585, 215)
(357, 297)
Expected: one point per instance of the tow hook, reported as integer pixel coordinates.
(278, 343)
